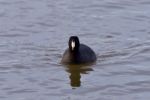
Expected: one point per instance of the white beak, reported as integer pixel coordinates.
(72, 45)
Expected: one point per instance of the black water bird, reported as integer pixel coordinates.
(78, 53)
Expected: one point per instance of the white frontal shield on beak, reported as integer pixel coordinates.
(73, 45)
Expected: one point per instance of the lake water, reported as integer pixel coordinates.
(34, 34)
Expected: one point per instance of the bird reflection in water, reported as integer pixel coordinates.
(75, 73)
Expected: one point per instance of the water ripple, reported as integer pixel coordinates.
(12, 35)
(20, 91)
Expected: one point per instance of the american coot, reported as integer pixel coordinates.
(78, 53)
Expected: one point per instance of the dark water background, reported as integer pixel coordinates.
(34, 35)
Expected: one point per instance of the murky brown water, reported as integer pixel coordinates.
(34, 35)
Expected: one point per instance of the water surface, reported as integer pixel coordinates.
(34, 35)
